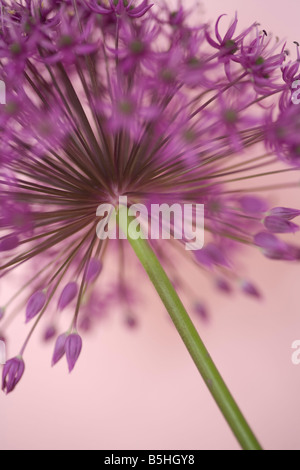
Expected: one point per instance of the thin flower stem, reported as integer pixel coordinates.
(190, 337)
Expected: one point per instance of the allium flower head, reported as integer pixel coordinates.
(124, 98)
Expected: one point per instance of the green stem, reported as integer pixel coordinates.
(190, 337)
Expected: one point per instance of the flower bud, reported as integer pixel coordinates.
(68, 294)
(276, 224)
(12, 374)
(271, 246)
(285, 212)
(59, 349)
(93, 270)
(35, 304)
(73, 348)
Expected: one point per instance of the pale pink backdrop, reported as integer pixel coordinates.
(139, 389)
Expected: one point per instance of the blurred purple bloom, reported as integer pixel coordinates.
(276, 224)
(253, 204)
(201, 310)
(211, 255)
(49, 333)
(119, 7)
(94, 270)
(223, 286)
(250, 289)
(283, 135)
(274, 248)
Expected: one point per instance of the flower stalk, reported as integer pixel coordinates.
(190, 337)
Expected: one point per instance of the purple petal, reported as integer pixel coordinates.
(231, 29)
(35, 304)
(68, 294)
(218, 36)
(211, 41)
(140, 10)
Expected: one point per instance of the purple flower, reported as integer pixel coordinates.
(290, 73)
(114, 98)
(283, 135)
(228, 45)
(73, 348)
(69, 42)
(262, 61)
(119, 7)
(35, 305)
(12, 374)
(134, 48)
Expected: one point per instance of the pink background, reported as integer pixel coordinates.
(139, 389)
